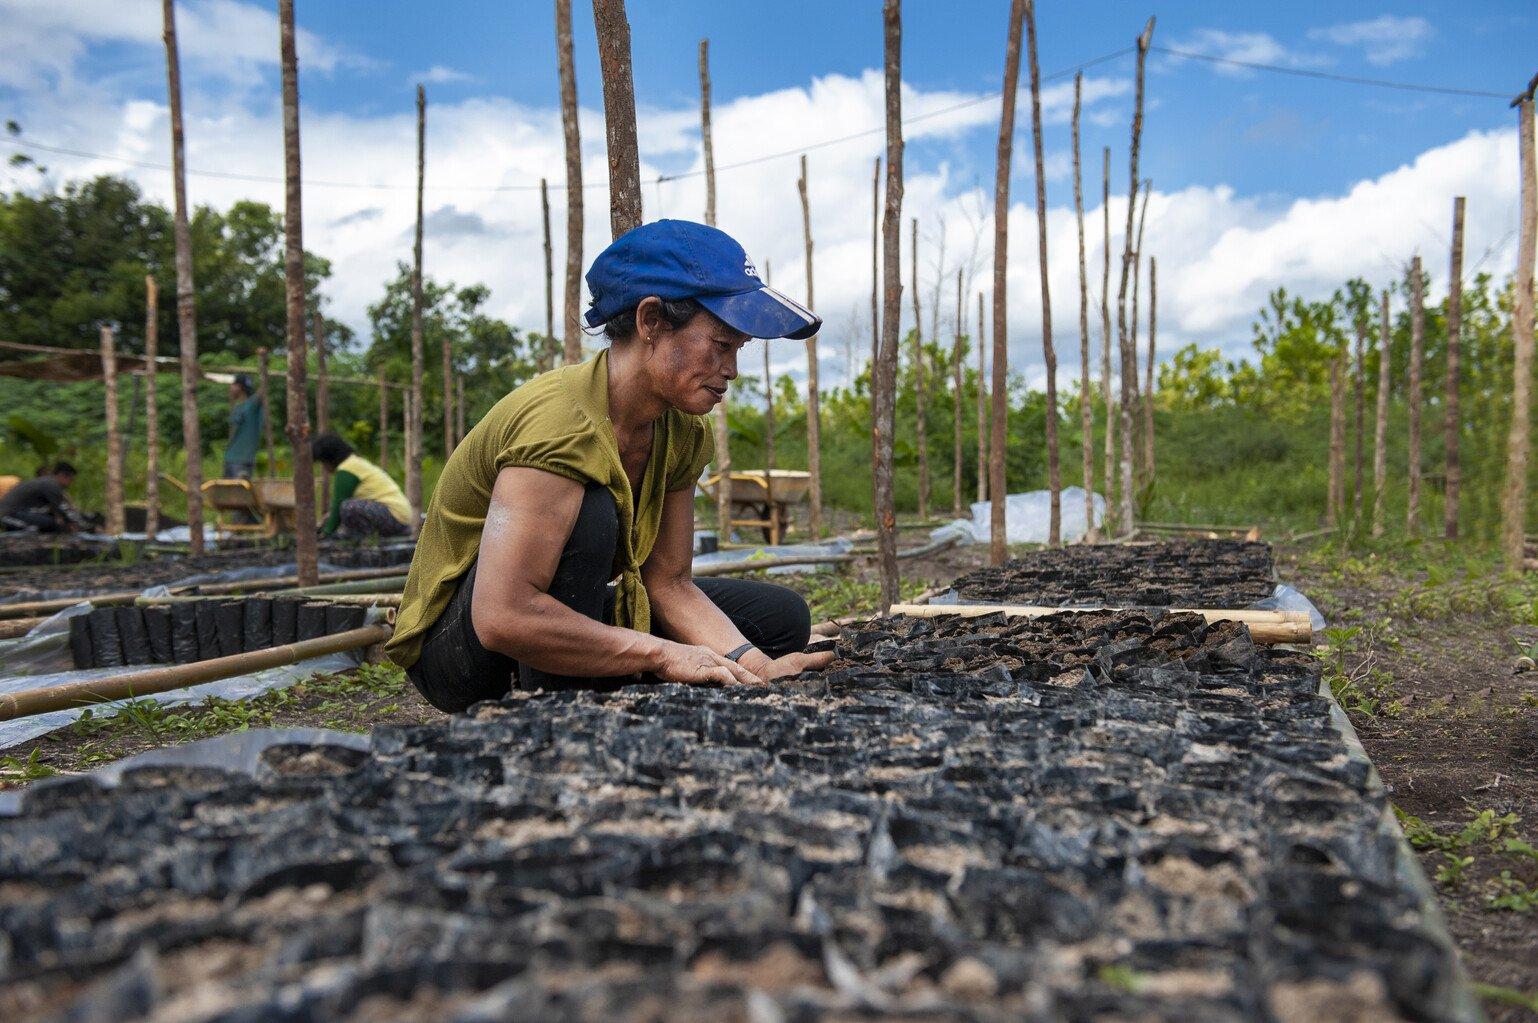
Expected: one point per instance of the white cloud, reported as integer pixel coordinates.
(440, 75)
(1383, 40)
(1249, 47)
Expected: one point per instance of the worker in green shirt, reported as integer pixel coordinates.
(246, 418)
(365, 501)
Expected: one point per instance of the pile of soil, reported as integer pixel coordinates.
(1178, 573)
(1105, 815)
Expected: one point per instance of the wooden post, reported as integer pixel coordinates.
(1127, 516)
(547, 355)
(449, 439)
(919, 383)
(1519, 435)
(769, 459)
(982, 406)
(884, 386)
(1360, 384)
(997, 486)
(1048, 351)
(115, 516)
(875, 321)
(414, 426)
(1086, 389)
(186, 297)
(322, 396)
(1380, 424)
(619, 115)
(813, 398)
(384, 423)
(459, 407)
(1131, 438)
(263, 363)
(718, 416)
(956, 392)
(1336, 489)
(293, 267)
(1111, 505)
(1450, 425)
(1414, 397)
(151, 413)
(406, 412)
(571, 132)
(1148, 379)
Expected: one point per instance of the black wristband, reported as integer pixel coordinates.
(736, 655)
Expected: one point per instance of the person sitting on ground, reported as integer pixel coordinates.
(365, 501)
(246, 418)
(587, 472)
(40, 504)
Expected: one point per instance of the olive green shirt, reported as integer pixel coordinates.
(558, 422)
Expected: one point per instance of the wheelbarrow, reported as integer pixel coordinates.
(763, 499)
(260, 507)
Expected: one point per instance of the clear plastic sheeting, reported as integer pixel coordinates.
(1027, 518)
(1285, 598)
(800, 550)
(44, 649)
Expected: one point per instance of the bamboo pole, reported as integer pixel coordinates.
(884, 387)
(619, 115)
(718, 415)
(263, 360)
(384, 422)
(322, 396)
(997, 486)
(739, 567)
(1414, 397)
(1127, 516)
(138, 684)
(186, 296)
(151, 408)
(1086, 388)
(414, 495)
(1148, 380)
(1335, 497)
(572, 136)
(1266, 627)
(1380, 423)
(919, 381)
(813, 397)
(115, 516)
(982, 406)
(20, 626)
(547, 357)
(1048, 350)
(1105, 344)
(1450, 426)
(956, 391)
(1519, 435)
(294, 284)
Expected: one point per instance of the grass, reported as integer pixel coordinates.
(1486, 835)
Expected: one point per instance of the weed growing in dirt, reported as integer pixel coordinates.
(30, 769)
(1487, 834)
(1358, 686)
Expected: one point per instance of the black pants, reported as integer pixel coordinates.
(454, 670)
(42, 521)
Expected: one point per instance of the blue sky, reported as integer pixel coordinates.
(1260, 179)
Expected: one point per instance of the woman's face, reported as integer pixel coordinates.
(690, 366)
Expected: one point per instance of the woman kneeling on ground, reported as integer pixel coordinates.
(586, 473)
(365, 501)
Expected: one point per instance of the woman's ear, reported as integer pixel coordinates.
(648, 319)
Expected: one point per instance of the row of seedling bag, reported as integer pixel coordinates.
(198, 630)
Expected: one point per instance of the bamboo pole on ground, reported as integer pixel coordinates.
(186, 296)
(547, 357)
(263, 390)
(982, 405)
(919, 381)
(1086, 389)
(1048, 350)
(1335, 497)
(1148, 379)
(1380, 422)
(294, 283)
(322, 396)
(1360, 401)
(813, 397)
(884, 387)
(414, 495)
(138, 684)
(115, 516)
(1266, 627)
(956, 391)
(1519, 435)
(572, 136)
(1450, 425)
(997, 485)
(1127, 516)
(1414, 397)
(619, 115)
(384, 423)
(1109, 475)
(151, 408)
(718, 415)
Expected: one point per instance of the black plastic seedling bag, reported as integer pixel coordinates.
(344, 617)
(230, 616)
(106, 643)
(133, 636)
(80, 641)
(258, 611)
(157, 623)
(312, 620)
(184, 633)
(285, 620)
(208, 630)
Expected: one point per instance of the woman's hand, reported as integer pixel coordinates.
(769, 669)
(691, 665)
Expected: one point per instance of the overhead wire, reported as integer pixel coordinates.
(1329, 76)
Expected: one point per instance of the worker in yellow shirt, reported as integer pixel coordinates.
(365, 501)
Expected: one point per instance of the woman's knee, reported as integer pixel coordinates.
(774, 618)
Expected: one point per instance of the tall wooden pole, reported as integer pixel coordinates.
(1111, 504)
(769, 454)
(813, 397)
(322, 395)
(384, 422)
(186, 297)
(1131, 439)
(983, 465)
(1086, 387)
(459, 406)
(1450, 427)
(414, 495)
(151, 408)
(573, 138)
(1127, 516)
(1380, 423)
(885, 386)
(1048, 351)
(1360, 383)
(547, 354)
(1148, 378)
(1415, 397)
(406, 413)
(718, 417)
(956, 392)
(1336, 488)
(263, 363)
(115, 516)
(997, 486)
(619, 115)
(293, 277)
(1519, 435)
(920, 383)
(875, 328)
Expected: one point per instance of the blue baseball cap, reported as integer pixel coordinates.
(679, 259)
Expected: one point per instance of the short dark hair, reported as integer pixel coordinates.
(62, 468)
(243, 382)
(622, 327)
(330, 449)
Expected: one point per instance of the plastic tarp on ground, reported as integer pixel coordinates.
(1027, 518)
(799, 550)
